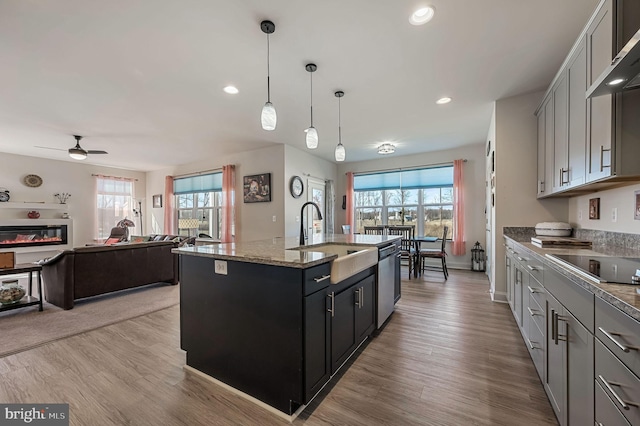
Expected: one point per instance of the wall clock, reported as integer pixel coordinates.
(33, 181)
(4, 195)
(296, 186)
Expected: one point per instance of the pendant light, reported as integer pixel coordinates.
(268, 117)
(341, 154)
(312, 133)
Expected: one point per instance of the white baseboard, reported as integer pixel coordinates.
(499, 296)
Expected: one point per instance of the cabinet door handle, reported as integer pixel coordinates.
(531, 344)
(322, 278)
(358, 298)
(532, 268)
(532, 312)
(521, 259)
(615, 395)
(362, 297)
(622, 347)
(553, 326)
(532, 290)
(602, 151)
(332, 309)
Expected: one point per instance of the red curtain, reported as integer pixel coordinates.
(458, 247)
(169, 214)
(228, 203)
(349, 204)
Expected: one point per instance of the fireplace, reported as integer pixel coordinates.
(33, 235)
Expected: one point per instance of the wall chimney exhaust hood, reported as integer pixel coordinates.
(623, 73)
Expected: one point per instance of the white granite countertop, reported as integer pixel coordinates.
(282, 251)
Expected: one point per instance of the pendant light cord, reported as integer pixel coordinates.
(311, 75)
(268, 73)
(339, 123)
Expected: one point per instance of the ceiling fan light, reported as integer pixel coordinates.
(77, 154)
(269, 117)
(341, 153)
(312, 138)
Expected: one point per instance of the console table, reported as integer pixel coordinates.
(28, 300)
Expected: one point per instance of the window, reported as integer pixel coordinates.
(200, 198)
(419, 197)
(114, 202)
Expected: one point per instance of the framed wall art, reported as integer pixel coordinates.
(594, 208)
(257, 188)
(636, 214)
(157, 201)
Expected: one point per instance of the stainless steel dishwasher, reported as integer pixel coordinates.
(385, 288)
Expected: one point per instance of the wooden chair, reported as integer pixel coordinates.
(436, 254)
(374, 230)
(407, 246)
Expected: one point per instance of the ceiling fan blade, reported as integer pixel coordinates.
(91, 151)
(48, 147)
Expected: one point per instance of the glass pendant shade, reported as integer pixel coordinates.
(269, 116)
(312, 138)
(341, 154)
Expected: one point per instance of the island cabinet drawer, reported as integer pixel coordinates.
(606, 411)
(577, 300)
(620, 333)
(618, 382)
(316, 278)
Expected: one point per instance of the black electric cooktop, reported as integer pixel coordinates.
(602, 268)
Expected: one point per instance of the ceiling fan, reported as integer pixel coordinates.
(77, 152)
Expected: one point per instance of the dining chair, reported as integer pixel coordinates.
(436, 254)
(407, 246)
(374, 230)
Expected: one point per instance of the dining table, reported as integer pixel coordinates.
(418, 241)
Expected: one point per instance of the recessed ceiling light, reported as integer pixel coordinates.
(444, 100)
(422, 15)
(615, 82)
(386, 148)
(232, 90)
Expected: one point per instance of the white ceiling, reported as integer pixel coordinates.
(143, 79)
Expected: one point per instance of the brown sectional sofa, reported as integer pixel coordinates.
(93, 270)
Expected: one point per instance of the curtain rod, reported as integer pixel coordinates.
(315, 177)
(114, 177)
(399, 169)
(196, 173)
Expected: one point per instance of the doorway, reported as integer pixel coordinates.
(317, 194)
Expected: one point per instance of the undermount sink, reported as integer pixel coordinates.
(350, 261)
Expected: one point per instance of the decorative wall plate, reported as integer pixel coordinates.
(33, 181)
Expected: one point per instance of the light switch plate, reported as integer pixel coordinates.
(580, 214)
(614, 214)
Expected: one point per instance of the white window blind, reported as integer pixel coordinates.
(114, 202)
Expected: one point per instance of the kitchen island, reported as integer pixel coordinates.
(264, 318)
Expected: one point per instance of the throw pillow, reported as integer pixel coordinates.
(111, 241)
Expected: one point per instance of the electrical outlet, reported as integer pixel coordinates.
(297, 218)
(220, 267)
(580, 214)
(614, 214)
(274, 217)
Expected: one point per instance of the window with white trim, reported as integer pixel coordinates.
(199, 198)
(114, 202)
(420, 197)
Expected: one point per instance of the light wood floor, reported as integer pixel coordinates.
(448, 356)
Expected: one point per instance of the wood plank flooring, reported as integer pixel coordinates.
(448, 356)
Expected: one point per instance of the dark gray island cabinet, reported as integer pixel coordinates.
(276, 333)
